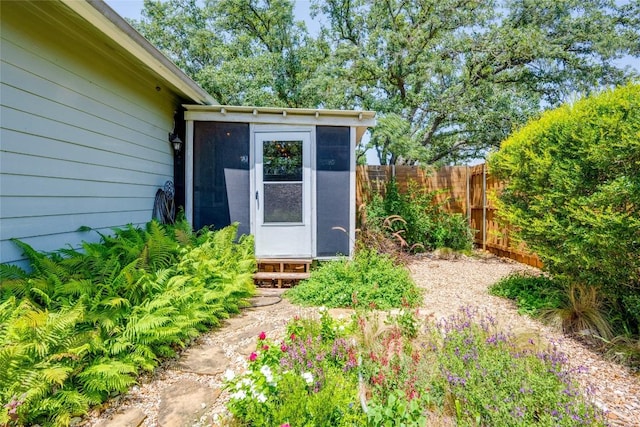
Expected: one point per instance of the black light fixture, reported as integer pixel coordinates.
(175, 140)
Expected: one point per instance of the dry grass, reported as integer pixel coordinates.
(583, 313)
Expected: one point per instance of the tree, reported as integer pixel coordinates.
(460, 75)
(242, 52)
(450, 79)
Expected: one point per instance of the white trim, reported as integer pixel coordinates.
(360, 115)
(282, 116)
(261, 127)
(304, 120)
(314, 193)
(188, 172)
(252, 177)
(352, 193)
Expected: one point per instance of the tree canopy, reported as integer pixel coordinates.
(448, 78)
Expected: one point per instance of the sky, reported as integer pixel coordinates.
(132, 8)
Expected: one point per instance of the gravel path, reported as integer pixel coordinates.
(448, 284)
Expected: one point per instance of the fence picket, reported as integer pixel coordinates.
(466, 190)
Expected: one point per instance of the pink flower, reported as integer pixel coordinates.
(283, 347)
(253, 356)
(262, 336)
(285, 425)
(265, 347)
(293, 337)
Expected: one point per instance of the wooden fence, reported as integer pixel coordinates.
(465, 190)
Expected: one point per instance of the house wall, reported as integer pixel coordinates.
(83, 137)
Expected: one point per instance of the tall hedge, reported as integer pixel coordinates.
(573, 192)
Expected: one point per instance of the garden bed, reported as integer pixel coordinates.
(448, 284)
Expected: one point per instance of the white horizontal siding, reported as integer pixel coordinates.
(82, 151)
(24, 206)
(82, 142)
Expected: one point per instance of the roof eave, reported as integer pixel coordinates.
(279, 114)
(361, 120)
(106, 20)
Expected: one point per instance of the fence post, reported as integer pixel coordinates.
(484, 206)
(468, 200)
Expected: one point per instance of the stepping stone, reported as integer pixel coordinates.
(251, 333)
(183, 403)
(270, 292)
(265, 300)
(204, 360)
(247, 350)
(236, 322)
(132, 417)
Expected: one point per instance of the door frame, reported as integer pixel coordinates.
(277, 128)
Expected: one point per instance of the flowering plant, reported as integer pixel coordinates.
(302, 377)
(462, 367)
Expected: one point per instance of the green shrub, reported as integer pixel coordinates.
(368, 280)
(82, 324)
(532, 294)
(423, 223)
(573, 192)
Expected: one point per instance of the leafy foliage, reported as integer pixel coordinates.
(326, 372)
(416, 220)
(308, 378)
(450, 78)
(491, 380)
(573, 193)
(243, 53)
(82, 324)
(532, 294)
(368, 280)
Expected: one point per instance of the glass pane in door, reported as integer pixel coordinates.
(282, 180)
(282, 161)
(282, 202)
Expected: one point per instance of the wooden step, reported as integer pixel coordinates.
(279, 271)
(285, 260)
(273, 275)
(284, 265)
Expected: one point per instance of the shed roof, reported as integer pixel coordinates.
(360, 119)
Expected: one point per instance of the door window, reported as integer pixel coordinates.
(282, 179)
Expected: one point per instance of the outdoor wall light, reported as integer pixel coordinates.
(175, 140)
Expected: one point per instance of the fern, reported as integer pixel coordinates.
(83, 323)
(107, 375)
(64, 404)
(162, 248)
(11, 273)
(35, 258)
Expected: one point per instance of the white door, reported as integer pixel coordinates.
(283, 194)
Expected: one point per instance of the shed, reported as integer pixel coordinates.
(286, 175)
